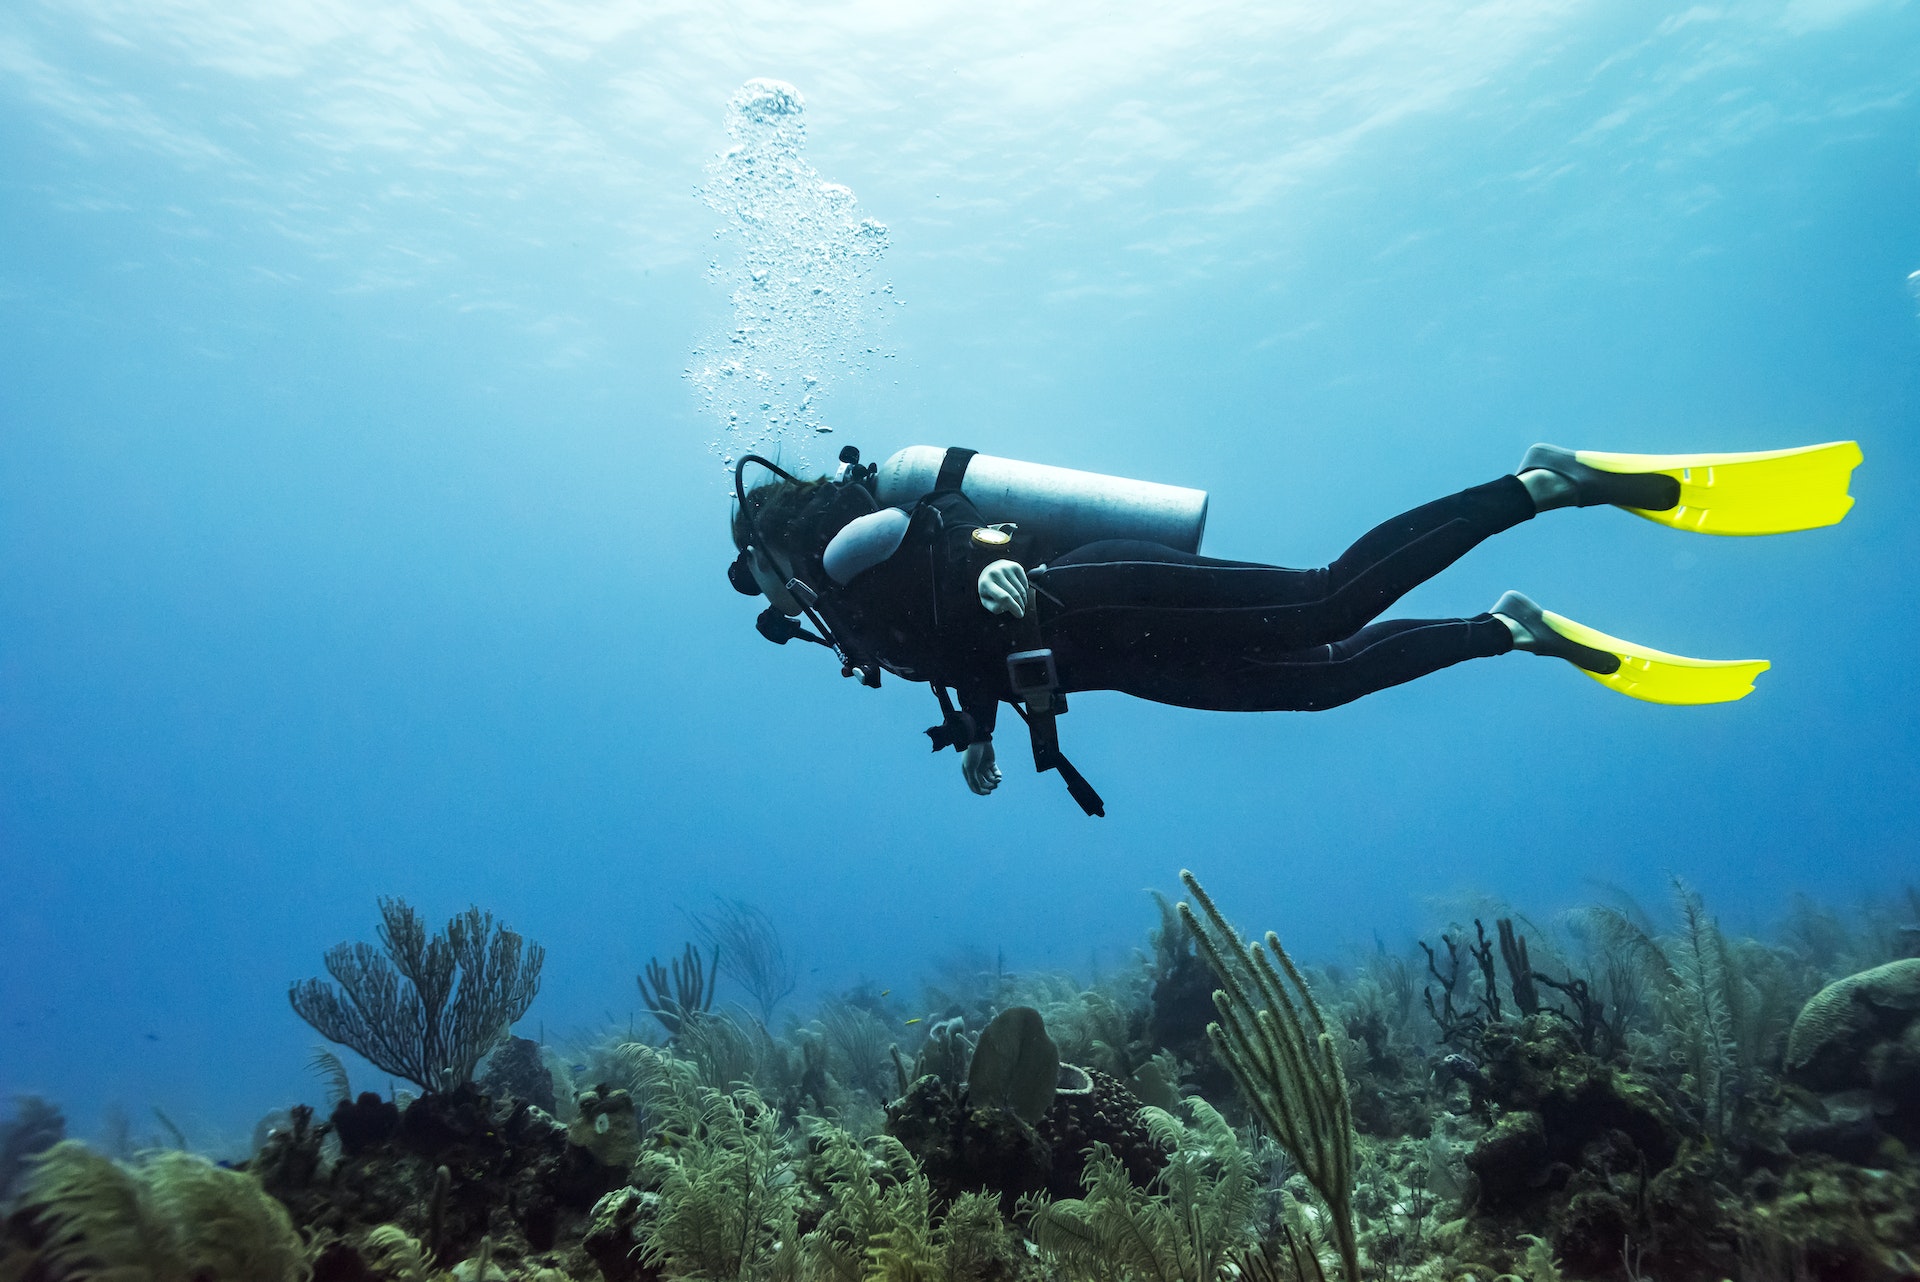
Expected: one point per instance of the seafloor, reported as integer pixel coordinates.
(1615, 1094)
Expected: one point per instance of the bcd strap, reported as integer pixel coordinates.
(953, 468)
(1047, 756)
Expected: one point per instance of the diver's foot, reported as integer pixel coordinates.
(1532, 633)
(1556, 478)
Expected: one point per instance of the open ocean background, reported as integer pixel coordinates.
(362, 518)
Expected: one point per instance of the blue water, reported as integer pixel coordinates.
(362, 532)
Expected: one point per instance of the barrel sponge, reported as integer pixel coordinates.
(1828, 1044)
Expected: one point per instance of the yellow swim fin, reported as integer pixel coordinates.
(1637, 671)
(1659, 677)
(1767, 492)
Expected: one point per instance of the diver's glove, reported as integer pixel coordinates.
(1004, 590)
(977, 762)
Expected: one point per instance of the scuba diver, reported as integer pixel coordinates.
(1009, 582)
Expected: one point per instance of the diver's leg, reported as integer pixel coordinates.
(1311, 679)
(1146, 589)
(1398, 555)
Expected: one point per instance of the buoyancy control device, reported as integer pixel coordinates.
(1056, 509)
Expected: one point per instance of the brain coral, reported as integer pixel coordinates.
(1828, 1046)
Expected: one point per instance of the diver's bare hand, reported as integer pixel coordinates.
(977, 765)
(1004, 590)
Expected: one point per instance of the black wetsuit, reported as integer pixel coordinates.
(1150, 621)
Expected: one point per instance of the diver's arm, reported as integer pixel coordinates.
(981, 703)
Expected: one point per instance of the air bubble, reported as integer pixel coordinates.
(803, 301)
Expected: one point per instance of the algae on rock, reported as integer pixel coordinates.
(1197, 1216)
(172, 1217)
(728, 1201)
(878, 1222)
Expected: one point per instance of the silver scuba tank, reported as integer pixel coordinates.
(1057, 508)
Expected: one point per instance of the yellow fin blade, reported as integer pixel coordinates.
(1765, 492)
(1659, 677)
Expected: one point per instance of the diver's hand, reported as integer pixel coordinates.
(977, 765)
(1004, 590)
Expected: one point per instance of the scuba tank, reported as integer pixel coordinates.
(1057, 508)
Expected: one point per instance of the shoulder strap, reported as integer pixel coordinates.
(953, 468)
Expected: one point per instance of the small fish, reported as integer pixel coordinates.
(915, 1020)
(886, 992)
(152, 1037)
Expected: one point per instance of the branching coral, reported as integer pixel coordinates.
(858, 1043)
(868, 1226)
(431, 1007)
(731, 1048)
(687, 991)
(1703, 1016)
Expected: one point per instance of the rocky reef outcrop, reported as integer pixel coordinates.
(448, 1170)
(963, 1148)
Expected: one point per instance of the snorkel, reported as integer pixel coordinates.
(755, 572)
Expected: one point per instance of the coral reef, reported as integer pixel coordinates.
(964, 1148)
(1593, 1098)
(1186, 1225)
(449, 1170)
